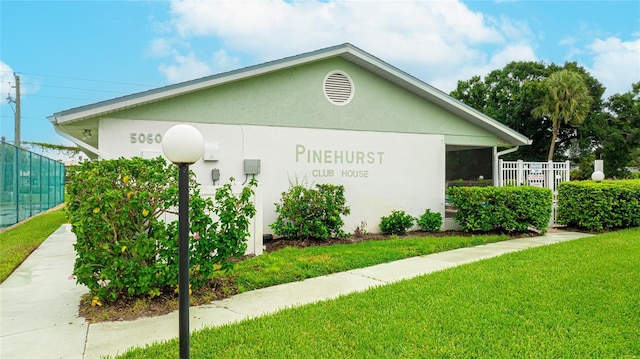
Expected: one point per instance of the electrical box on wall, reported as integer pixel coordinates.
(215, 175)
(251, 167)
(211, 152)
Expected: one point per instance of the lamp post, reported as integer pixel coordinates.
(183, 145)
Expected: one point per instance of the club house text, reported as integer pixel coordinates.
(338, 157)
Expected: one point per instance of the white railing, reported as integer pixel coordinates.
(539, 174)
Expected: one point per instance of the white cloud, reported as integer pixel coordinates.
(573, 49)
(278, 28)
(186, 68)
(437, 41)
(6, 81)
(161, 47)
(182, 67)
(222, 61)
(515, 52)
(498, 60)
(29, 85)
(514, 29)
(616, 63)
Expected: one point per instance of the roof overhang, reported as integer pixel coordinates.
(508, 136)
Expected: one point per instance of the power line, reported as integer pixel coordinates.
(23, 117)
(85, 79)
(75, 88)
(66, 98)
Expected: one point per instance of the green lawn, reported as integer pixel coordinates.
(295, 264)
(17, 243)
(577, 299)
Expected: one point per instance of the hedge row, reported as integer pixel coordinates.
(598, 206)
(501, 208)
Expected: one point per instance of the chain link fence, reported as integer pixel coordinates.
(29, 184)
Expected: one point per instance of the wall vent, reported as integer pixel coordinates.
(338, 88)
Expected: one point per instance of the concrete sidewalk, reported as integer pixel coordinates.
(39, 303)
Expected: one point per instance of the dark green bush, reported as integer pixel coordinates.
(311, 212)
(430, 221)
(501, 208)
(398, 222)
(598, 206)
(124, 248)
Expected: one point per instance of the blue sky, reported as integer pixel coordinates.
(73, 53)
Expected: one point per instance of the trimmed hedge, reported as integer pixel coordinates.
(501, 208)
(598, 206)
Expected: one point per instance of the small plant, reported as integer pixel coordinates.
(430, 221)
(360, 230)
(396, 223)
(305, 212)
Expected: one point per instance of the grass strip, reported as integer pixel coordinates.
(294, 264)
(16, 244)
(289, 265)
(570, 300)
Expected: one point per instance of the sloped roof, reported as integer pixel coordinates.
(346, 51)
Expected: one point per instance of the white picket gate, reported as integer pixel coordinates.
(539, 174)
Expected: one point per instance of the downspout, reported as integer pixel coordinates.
(496, 161)
(82, 144)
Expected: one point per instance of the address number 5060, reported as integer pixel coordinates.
(145, 137)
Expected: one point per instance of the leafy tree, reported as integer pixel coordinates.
(620, 139)
(510, 94)
(566, 100)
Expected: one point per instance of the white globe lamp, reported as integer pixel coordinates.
(597, 176)
(183, 144)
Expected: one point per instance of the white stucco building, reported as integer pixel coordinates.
(337, 115)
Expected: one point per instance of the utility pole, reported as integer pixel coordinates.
(17, 139)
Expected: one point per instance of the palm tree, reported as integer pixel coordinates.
(566, 101)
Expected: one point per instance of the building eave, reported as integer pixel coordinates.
(346, 51)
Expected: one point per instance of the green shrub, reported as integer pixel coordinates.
(398, 222)
(124, 248)
(311, 212)
(501, 208)
(597, 206)
(430, 221)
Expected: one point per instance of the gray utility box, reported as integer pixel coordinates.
(251, 167)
